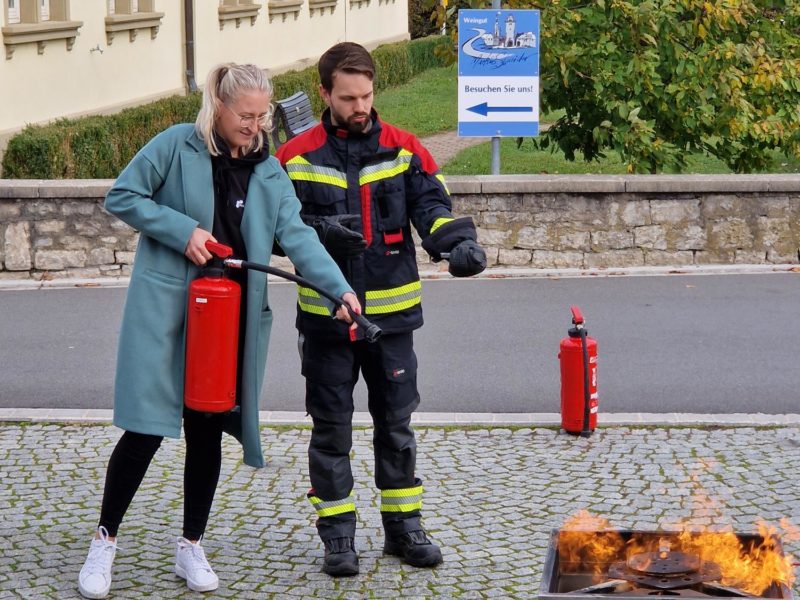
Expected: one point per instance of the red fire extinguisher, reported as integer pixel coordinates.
(212, 330)
(579, 400)
(212, 338)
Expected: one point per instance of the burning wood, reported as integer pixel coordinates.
(600, 559)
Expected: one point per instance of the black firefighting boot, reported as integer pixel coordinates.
(407, 539)
(341, 559)
(337, 532)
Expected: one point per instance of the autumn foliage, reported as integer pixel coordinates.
(656, 80)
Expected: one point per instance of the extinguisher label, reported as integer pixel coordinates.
(201, 300)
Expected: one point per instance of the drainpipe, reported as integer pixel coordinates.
(188, 32)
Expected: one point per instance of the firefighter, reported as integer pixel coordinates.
(362, 183)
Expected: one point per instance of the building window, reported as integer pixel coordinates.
(38, 22)
(237, 10)
(131, 16)
(321, 5)
(129, 7)
(13, 11)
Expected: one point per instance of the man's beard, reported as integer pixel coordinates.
(350, 124)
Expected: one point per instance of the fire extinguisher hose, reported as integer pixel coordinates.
(586, 393)
(371, 331)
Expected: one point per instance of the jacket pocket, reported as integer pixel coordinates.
(326, 200)
(390, 199)
(164, 277)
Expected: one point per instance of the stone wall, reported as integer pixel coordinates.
(54, 229)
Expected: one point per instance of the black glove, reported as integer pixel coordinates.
(448, 236)
(467, 258)
(337, 238)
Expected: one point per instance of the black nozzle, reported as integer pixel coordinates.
(371, 331)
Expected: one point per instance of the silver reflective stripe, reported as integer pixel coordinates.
(394, 299)
(311, 301)
(402, 500)
(386, 169)
(300, 169)
(331, 508)
(331, 503)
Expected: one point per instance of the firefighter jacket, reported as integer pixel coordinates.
(387, 178)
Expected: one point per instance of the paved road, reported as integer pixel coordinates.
(676, 343)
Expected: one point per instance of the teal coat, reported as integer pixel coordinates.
(165, 192)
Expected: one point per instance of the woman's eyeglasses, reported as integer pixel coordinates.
(249, 120)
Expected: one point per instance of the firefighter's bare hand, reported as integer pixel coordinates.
(196, 248)
(342, 313)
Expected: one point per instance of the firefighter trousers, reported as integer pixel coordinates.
(389, 368)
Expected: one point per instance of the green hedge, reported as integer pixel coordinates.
(99, 147)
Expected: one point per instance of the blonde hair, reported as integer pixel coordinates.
(224, 84)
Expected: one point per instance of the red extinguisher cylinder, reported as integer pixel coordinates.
(212, 343)
(579, 401)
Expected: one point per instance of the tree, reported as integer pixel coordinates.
(420, 21)
(658, 79)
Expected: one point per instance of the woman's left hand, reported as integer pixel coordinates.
(342, 313)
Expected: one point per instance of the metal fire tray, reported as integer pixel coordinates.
(574, 584)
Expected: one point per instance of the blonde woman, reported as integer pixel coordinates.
(213, 180)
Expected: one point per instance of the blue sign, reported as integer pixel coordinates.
(498, 73)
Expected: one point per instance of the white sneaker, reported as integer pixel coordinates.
(191, 565)
(94, 580)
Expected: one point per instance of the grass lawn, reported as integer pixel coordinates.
(428, 105)
(478, 161)
(425, 105)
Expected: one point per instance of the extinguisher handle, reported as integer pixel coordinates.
(371, 331)
(219, 250)
(577, 317)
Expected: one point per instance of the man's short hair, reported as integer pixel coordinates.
(347, 57)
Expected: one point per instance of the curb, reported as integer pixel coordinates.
(428, 273)
(434, 419)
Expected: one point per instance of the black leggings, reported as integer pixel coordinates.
(133, 454)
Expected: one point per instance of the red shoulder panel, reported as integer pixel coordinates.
(305, 142)
(392, 137)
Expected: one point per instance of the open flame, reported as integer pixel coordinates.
(588, 543)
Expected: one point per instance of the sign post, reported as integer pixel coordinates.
(498, 75)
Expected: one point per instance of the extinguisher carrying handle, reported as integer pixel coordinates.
(577, 317)
(219, 250)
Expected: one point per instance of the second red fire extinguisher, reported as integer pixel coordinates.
(579, 399)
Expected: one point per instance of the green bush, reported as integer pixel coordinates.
(419, 19)
(99, 147)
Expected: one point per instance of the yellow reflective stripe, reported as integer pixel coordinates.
(386, 169)
(402, 493)
(393, 300)
(311, 302)
(401, 507)
(439, 222)
(402, 500)
(440, 177)
(332, 507)
(299, 169)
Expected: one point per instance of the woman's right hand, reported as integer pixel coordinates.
(196, 248)
(355, 306)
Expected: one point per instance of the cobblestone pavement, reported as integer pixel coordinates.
(445, 146)
(492, 495)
